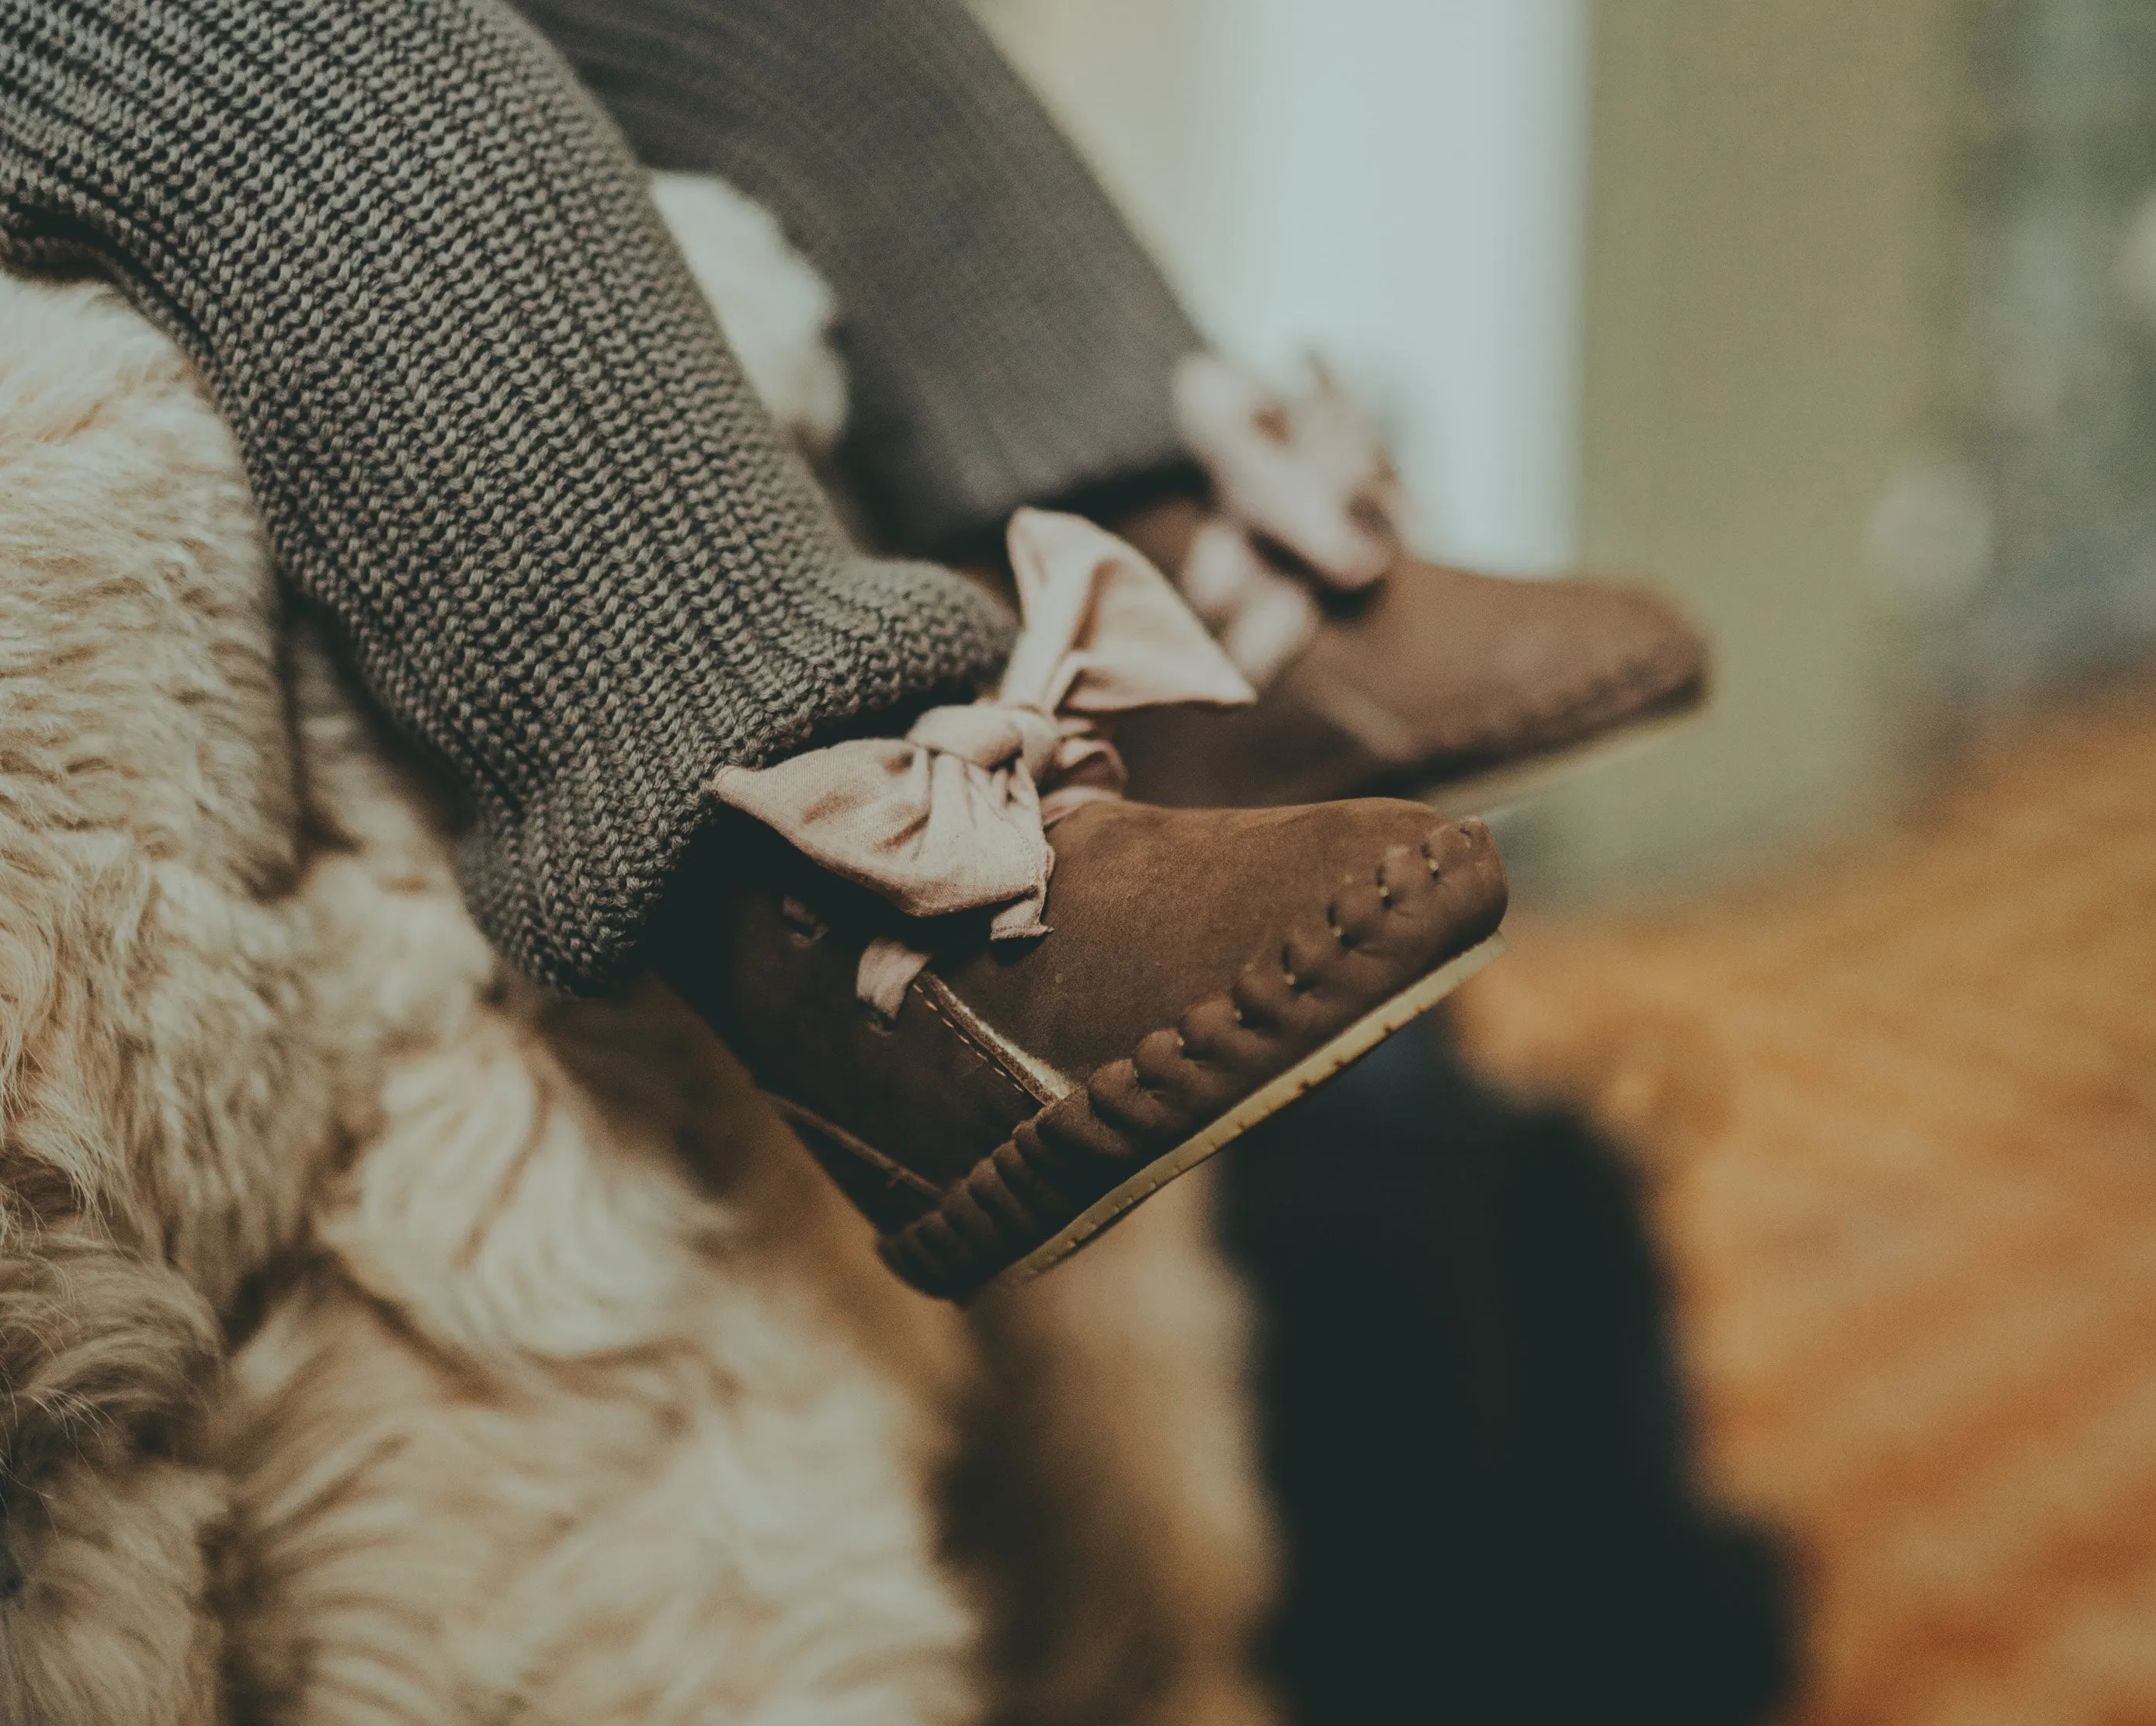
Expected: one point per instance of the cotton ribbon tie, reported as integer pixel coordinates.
(1306, 475)
(953, 816)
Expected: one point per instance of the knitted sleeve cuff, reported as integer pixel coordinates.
(566, 882)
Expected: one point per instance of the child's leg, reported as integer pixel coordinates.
(1008, 340)
(491, 427)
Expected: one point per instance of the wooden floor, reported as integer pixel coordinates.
(1901, 1112)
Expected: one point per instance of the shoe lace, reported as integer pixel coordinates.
(954, 816)
(1306, 475)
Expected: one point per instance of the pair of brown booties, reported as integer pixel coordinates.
(995, 1064)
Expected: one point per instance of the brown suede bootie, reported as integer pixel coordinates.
(1376, 671)
(1003, 1005)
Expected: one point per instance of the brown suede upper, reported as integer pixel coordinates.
(1433, 675)
(1193, 956)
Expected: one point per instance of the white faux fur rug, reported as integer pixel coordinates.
(388, 1343)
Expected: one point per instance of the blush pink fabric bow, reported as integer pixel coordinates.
(953, 816)
(1307, 474)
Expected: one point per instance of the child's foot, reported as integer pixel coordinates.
(1376, 671)
(1203, 969)
(995, 1064)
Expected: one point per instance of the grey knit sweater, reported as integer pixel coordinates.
(491, 427)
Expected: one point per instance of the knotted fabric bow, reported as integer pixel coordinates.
(954, 816)
(1306, 475)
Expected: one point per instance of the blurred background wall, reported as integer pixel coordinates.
(1772, 189)
(2051, 386)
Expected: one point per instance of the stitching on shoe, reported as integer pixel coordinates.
(937, 1257)
(1044, 1080)
(920, 1245)
(990, 1056)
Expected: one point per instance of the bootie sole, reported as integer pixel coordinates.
(1268, 1100)
(1516, 782)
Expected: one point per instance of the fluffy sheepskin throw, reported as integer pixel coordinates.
(384, 1342)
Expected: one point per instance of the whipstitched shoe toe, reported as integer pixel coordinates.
(1434, 682)
(1201, 970)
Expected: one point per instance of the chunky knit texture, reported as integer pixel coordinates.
(1007, 340)
(492, 428)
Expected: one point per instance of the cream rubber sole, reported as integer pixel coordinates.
(1313, 1070)
(1504, 787)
